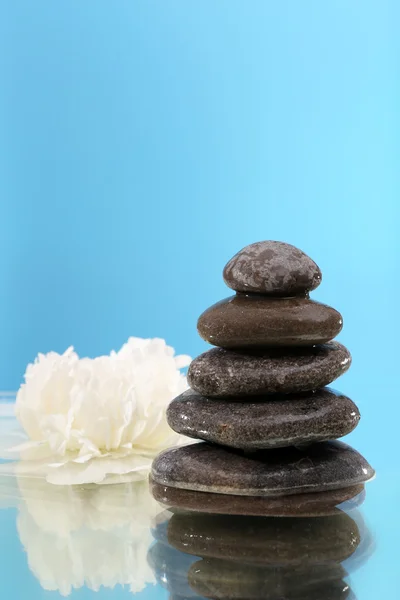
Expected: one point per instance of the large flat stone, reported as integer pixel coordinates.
(205, 467)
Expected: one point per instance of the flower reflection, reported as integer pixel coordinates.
(94, 536)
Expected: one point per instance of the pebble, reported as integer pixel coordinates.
(206, 467)
(268, 422)
(247, 321)
(221, 373)
(274, 268)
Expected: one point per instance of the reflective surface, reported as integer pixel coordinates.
(116, 541)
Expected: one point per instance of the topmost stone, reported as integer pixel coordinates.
(273, 268)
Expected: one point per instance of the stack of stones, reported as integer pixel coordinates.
(259, 401)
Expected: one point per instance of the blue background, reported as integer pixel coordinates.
(144, 143)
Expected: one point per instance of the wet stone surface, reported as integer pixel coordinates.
(264, 422)
(271, 267)
(209, 468)
(251, 321)
(221, 373)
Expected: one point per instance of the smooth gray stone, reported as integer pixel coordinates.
(221, 373)
(206, 467)
(254, 321)
(266, 422)
(274, 268)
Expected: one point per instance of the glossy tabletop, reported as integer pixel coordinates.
(115, 541)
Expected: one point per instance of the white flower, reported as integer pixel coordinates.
(77, 410)
(93, 537)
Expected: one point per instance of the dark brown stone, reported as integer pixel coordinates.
(272, 268)
(227, 580)
(221, 373)
(268, 422)
(290, 541)
(295, 505)
(205, 467)
(248, 321)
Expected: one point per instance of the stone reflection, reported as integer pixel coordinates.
(93, 536)
(240, 557)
